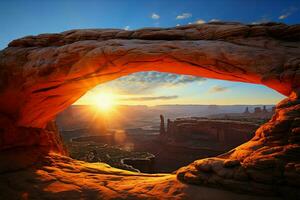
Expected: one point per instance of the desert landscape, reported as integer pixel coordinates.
(189, 108)
(168, 144)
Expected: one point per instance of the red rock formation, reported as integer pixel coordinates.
(225, 133)
(269, 161)
(246, 111)
(42, 75)
(257, 110)
(162, 130)
(60, 177)
(42, 68)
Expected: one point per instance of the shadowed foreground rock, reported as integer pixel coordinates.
(59, 177)
(42, 75)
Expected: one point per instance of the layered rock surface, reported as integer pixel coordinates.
(36, 71)
(42, 75)
(59, 177)
(267, 164)
(226, 133)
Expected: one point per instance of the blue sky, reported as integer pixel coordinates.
(21, 18)
(29, 17)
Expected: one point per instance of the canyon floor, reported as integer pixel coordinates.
(60, 177)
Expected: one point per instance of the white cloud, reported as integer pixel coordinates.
(126, 28)
(287, 12)
(184, 16)
(283, 16)
(218, 88)
(155, 16)
(214, 20)
(177, 24)
(200, 21)
(147, 82)
(150, 98)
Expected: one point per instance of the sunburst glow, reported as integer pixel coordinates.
(104, 101)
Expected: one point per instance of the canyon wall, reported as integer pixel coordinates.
(267, 164)
(224, 133)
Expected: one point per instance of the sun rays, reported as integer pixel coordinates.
(104, 101)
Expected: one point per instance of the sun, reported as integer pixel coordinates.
(104, 101)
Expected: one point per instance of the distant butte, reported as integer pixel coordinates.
(42, 75)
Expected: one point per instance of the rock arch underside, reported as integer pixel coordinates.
(42, 75)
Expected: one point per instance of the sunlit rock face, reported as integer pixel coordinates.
(42, 75)
(36, 71)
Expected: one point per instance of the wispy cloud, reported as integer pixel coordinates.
(184, 16)
(157, 77)
(214, 20)
(218, 88)
(147, 82)
(126, 28)
(287, 12)
(149, 98)
(200, 21)
(155, 16)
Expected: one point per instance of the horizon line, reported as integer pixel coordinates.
(182, 105)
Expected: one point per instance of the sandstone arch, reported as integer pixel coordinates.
(41, 75)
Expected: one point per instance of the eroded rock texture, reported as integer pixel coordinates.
(267, 164)
(36, 71)
(225, 133)
(59, 177)
(42, 75)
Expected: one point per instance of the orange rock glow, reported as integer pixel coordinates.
(42, 75)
